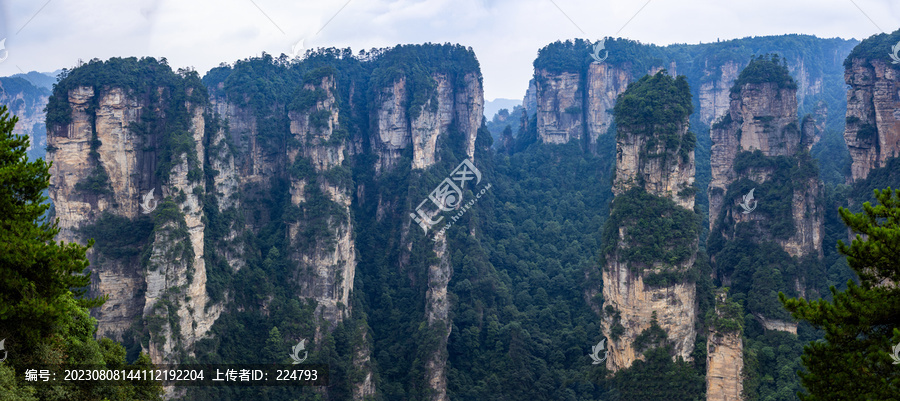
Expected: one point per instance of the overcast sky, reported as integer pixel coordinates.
(505, 34)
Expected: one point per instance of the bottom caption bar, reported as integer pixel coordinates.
(178, 375)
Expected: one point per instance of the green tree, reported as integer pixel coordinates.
(36, 273)
(860, 324)
(275, 347)
(43, 312)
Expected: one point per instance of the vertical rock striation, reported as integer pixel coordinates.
(640, 162)
(714, 93)
(760, 117)
(396, 130)
(604, 85)
(105, 161)
(765, 196)
(560, 106)
(327, 263)
(873, 114)
(724, 367)
(570, 105)
(217, 158)
(453, 109)
(724, 356)
(70, 153)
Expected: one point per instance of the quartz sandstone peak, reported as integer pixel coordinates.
(762, 116)
(646, 163)
(107, 115)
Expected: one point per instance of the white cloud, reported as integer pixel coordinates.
(505, 34)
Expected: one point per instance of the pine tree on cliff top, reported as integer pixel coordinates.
(861, 324)
(43, 314)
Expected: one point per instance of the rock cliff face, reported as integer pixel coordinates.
(604, 84)
(724, 367)
(325, 272)
(635, 302)
(570, 105)
(765, 194)
(529, 102)
(396, 131)
(314, 161)
(808, 215)
(725, 352)
(567, 107)
(559, 106)
(437, 311)
(763, 117)
(171, 291)
(557, 97)
(194, 177)
(775, 324)
(760, 116)
(644, 162)
(714, 93)
(254, 163)
(222, 158)
(873, 115)
(70, 159)
(661, 176)
(393, 126)
(724, 359)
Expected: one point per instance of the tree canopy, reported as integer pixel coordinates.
(861, 323)
(768, 68)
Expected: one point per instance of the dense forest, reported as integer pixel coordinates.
(526, 260)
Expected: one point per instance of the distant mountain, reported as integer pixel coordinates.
(25, 96)
(491, 107)
(511, 117)
(39, 79)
